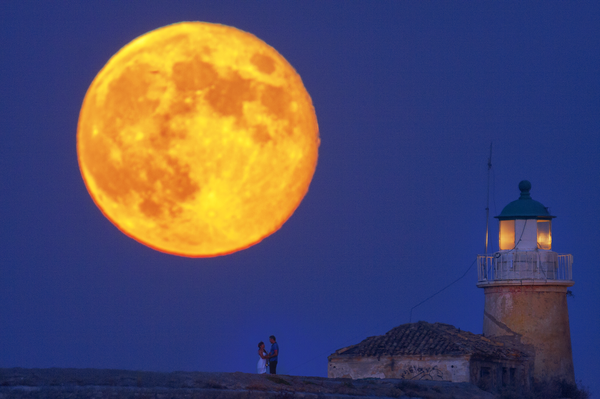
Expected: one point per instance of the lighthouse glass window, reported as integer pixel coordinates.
(507, 234)
(544, 234)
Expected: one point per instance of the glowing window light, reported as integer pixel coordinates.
(544, 234)
(507, 234)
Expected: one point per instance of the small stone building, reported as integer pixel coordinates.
(441, 352)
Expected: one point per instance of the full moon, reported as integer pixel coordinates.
(197, 139)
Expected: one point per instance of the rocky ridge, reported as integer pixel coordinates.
(120, 384)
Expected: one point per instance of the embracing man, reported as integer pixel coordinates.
(273, 355)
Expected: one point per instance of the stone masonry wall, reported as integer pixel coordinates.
(538, 316)
(436, 368)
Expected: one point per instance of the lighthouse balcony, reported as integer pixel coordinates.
(525, 268)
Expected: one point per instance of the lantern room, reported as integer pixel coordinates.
(525, 250)
(525, 224)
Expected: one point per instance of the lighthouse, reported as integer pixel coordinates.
(525, 285)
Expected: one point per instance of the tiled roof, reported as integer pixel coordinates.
(423, 338)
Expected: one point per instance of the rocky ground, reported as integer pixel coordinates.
(118, 384)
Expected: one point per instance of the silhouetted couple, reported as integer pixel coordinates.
(268, 359)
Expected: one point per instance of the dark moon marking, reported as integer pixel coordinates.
(261, 134)
(193, 75)
(264, 63)
(276, 100)
(227, 96)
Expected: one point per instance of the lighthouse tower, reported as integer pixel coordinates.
(525, 285)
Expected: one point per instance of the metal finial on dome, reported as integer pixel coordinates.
(525, 186)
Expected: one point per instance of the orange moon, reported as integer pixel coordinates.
(197, 139)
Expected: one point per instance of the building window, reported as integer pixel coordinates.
(544, 234)
(507, 234)
(484, 372)
(513, 375)
(485, 378)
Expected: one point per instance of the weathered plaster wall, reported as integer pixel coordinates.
(540, 315)
(438, 368)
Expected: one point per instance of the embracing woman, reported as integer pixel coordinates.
(261, 367)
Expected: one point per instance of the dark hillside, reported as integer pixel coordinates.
(121, 384)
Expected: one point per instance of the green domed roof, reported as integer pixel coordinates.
(525, 207)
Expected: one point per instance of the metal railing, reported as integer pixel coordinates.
(524, 265)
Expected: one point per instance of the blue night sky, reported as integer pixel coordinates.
(408, 96)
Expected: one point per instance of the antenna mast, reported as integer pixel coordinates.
(487, 208)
